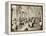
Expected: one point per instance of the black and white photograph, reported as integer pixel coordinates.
(22, 18)
(26, 18)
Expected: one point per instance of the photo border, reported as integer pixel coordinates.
(25, 3)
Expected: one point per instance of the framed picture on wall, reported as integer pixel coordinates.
(24, 17)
